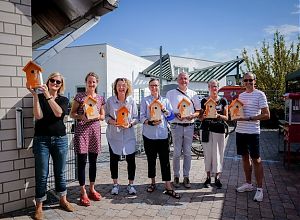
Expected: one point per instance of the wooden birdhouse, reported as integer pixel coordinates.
(210, 108)
(33, 75)
(184, 107)
(236, 109)
(90, 108)
(155, 110)
(122, 116)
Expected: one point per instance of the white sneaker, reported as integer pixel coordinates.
(131, 190)
(246, 187)
(115, 189)
(259, 195)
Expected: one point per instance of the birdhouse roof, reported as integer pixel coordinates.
(123, 108)
(182, 101)
(234, 102)
(32, 65)
(210, 100)
(89, 98)
(156, 101)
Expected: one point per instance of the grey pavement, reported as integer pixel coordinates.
(281, 192)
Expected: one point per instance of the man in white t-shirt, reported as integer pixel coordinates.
(182, 128)
(247, 134)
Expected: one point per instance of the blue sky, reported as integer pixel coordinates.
(215, 30)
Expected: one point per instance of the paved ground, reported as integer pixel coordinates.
(281, 192)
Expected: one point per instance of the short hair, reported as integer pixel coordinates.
(213, 81)
(62, 87)
(153, 79)
(128, 83)
(94, 75)
(183, 73)
(249, 74)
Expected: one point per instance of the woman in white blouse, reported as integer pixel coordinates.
(121, 137)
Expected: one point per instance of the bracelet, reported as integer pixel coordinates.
(49, 98)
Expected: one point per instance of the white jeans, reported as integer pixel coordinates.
(214, 152)
(182, 140)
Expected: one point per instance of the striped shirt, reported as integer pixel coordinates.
(253, 103)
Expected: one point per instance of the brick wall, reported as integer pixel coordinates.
(16, 165)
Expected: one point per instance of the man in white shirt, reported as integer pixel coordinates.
(183, 127)
(247, 134)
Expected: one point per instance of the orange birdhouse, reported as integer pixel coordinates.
(210, 108)
(236, 109)
(122, 116)
(33, 75)
(90, 108)
(155, 110)
(184, 107)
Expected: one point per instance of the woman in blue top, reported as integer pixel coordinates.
(155, 136)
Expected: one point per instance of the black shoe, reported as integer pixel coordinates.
(218, 183)
(207, 183)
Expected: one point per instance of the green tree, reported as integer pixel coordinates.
(272, 64)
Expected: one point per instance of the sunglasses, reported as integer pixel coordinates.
(55, 81)
(248, 80)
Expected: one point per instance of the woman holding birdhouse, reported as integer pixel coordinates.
(50, 139)
(155, 112)
(214, 111)
(88, 110)
(121, 114)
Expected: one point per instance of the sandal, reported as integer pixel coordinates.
(172, 193)
(84, 201)
(95, 196)
(151, 188)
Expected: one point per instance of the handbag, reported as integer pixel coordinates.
(205, 136)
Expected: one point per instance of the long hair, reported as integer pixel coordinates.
(62, 87)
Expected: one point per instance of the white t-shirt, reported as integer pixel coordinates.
(253, 103)
(175, 97)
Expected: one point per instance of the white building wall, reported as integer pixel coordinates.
(16, 164)
(106, 61)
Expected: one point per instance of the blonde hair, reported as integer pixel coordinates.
(128, 83)
(213, 81)
(62, 87)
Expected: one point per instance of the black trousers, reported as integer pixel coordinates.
(114, 165)
(160, 147)
(81, 163)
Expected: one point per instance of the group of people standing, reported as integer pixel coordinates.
(50, 107)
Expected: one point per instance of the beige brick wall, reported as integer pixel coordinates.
(16, 165)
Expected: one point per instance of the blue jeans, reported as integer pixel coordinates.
(43, 147)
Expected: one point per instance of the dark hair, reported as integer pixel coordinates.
(153, 79)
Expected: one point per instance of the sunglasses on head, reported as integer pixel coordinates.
(248, 80)
(55, 81)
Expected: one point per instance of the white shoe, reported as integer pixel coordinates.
(246, 187)
(259, 195)
(131, 190)
(115, 189)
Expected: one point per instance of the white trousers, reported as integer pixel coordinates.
(214, 152)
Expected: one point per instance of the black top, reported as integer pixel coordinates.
(50, 125)
(214, 125)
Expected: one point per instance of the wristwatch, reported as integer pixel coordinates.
(250, 118)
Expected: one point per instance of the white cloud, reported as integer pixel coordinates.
(285, 29)
(297, 10)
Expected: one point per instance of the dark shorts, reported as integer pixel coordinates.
(248, 144)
